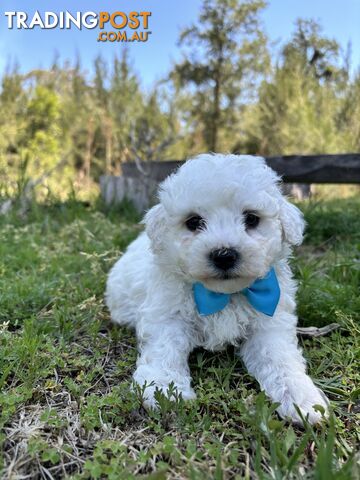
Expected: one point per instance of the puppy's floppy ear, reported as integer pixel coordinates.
(155, 226)
(292, 222)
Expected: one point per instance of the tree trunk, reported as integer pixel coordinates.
(88, 151)
(215, 116)
(108, 147)
(216, 113)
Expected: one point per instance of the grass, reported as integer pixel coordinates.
(66, 409)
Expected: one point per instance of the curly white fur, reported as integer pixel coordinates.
(150, 287)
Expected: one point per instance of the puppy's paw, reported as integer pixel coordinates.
(149, 386)
(305, 401)
(149, 400)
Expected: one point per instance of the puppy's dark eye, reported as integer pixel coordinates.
(251, 220)
(195, 223)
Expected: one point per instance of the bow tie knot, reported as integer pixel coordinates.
(263, 295)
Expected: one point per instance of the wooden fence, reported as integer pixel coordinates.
(139, 184)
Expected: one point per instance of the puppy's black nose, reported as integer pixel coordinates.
(224, 258)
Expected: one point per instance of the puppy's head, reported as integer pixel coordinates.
(222, 221)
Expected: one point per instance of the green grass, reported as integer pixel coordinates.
(66, 409)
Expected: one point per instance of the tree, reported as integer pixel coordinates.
(317, 55)
(13, 102)
(40, 140)
(225, 51)
(126, 103)
(349, 116)
(299, 105)
(152, 132)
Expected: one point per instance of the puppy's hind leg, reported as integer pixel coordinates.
(121, 305)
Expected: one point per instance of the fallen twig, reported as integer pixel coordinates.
(317, 332)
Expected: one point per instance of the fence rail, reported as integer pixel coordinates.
(139, 184)
(342, 168)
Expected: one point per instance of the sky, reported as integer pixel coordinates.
(152, 60)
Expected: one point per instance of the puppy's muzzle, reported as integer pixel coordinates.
(224, 258)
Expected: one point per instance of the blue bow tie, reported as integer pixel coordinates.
(263, 295)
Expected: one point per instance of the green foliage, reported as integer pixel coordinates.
(59, 119)
(225, 49)
(304, 106)
(66, 403)
(40, 140)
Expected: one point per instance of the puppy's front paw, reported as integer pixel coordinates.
(149, 400)
(150, 383)
(305, 399)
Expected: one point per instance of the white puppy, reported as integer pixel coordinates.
(222, 225)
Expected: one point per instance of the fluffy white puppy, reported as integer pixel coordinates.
(221, 223)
